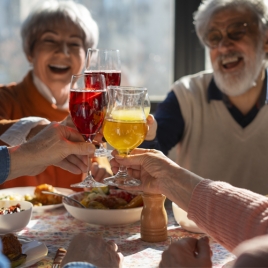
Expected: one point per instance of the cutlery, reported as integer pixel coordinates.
(61, 252)
(65, 196)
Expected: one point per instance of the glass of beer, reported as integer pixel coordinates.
(124, 126)
(147, 105)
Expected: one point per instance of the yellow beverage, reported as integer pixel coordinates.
(146, 111)
(134, 114)
(124, 135)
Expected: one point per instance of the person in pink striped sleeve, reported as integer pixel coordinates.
(236, 218)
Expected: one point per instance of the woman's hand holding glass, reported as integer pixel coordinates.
(125, 127)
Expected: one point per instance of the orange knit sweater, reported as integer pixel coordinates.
(23, 100)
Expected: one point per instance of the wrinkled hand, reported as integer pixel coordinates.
(68, 122)
(150, 166)
(34, 131)
(55, 145)
(188, 252)
(94, 250)
(152, 127)
(99, 172)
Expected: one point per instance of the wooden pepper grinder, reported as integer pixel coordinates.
(153, 218)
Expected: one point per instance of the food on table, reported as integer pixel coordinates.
(12, 249)
(10, 210)
(37, 199)
(110, 199)
(44, 198)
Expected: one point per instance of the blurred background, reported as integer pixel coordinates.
(156, 40)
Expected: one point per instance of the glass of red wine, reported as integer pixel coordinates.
(106, 62)
(87, 104)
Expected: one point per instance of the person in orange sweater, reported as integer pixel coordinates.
(55, 38)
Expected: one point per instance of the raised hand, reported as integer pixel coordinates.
(152, 127)
(55, 145)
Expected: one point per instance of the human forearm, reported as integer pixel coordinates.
(159, 174)
(55, 145)
(19, 131)
(179, 185)
(229, 214)
(20, 162)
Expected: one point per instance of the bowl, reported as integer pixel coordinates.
(102, 216)
(181, 218)
(15, 222)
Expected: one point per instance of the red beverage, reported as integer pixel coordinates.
(88, 108)
(112, 78)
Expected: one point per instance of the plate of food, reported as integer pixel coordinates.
(106, 206)
(33, 194)
(23, 252)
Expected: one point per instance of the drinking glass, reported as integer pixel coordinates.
(124, 127)
(106, 62)
(87, 105)
(147, 105)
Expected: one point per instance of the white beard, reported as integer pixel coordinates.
(239, 82)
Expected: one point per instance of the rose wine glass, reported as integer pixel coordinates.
(106, 62)
(87, 105)
(124, 127)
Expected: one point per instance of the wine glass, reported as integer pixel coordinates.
(147, 105)
(124, 127)
(88, 104)
(106, 62)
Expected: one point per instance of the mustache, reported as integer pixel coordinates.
(230, 55)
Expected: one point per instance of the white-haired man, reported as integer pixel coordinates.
(218, 118)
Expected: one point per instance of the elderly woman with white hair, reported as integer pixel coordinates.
(55, 37)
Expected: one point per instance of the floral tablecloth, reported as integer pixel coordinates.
(55, 228)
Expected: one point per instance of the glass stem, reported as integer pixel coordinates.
(122, 171)
(89, 175)
(88, 170)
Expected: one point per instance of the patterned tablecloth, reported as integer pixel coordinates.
(55, 228)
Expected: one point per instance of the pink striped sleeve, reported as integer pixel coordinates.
(228, 214)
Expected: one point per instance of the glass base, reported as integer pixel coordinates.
(118, 180)
(88, 184)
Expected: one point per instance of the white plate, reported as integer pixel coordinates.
(30, 190)
(35, 251)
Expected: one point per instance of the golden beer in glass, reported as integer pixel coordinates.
(125, 126)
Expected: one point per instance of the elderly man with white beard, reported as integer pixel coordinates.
(218, 119)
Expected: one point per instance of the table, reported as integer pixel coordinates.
(56, 227)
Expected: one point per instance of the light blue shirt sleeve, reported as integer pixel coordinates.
(4, 163)
(4, 262)
(79, 265)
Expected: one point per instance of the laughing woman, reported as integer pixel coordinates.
(55, 39)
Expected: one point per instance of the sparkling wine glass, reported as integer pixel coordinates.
(124, 127)
(87, 105)
(147, 105)
(106, 62)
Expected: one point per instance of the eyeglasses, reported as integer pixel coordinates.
(234, 31)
